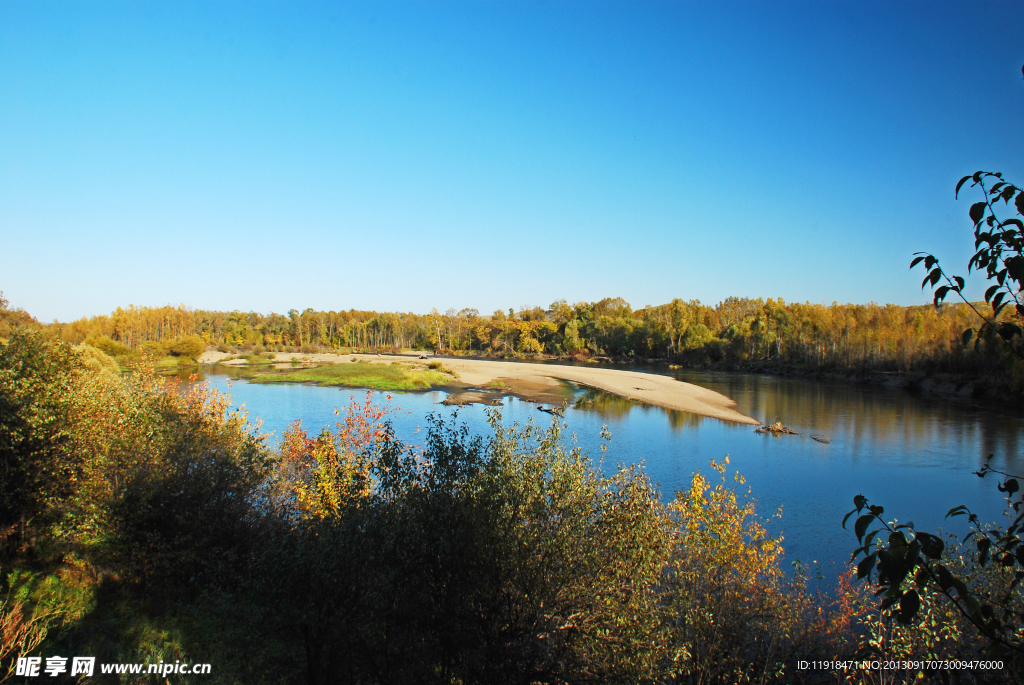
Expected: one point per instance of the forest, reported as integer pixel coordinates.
(735, 333)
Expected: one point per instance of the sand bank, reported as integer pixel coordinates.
(660, 391)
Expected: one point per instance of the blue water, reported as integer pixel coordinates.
(914, 455)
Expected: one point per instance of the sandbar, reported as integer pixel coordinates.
(660, 391)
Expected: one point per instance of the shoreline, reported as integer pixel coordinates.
(540, 380)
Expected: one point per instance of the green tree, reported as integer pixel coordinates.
(37, 468)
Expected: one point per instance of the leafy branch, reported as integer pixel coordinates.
(999, 246)
(909, 554)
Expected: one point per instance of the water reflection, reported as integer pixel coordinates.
(615, 408)
(913, 454)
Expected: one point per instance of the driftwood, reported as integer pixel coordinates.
(821, 438)
(775, 429)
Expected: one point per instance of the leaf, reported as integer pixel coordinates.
(916, 261)
(960, 185)
(1015, 265)
(921, 577)
(962, 591)
(910, 602)
(940, 293)
(990, 292)
(967, 335)
(944, 577)
(977, 212)
(983, 550)
(861, 526)
(959, 283)
(1019, 202)
(865, 566)
(931, 545)
(1011, 486)
(1008, 330)
(897, 540)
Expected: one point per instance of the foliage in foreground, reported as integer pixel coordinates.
(979, 589)
(163, 527)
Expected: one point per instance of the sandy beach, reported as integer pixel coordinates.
(540, 381)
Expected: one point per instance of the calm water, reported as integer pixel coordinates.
(912, 454)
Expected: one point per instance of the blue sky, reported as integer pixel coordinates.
(265, 156)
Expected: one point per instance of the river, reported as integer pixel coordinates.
(913, 454)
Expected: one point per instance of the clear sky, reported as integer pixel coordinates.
(269, 156)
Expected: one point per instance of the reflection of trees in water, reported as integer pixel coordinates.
(864, 415)
(617, 408)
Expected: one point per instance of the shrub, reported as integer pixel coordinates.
(153, 348)
(108, 346)
(190, 347)
(530, 346)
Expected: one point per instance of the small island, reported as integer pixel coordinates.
(477, 380)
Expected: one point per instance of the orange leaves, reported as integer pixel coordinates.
(323, 475)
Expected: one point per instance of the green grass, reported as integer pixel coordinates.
(363, 375)
(165, 363)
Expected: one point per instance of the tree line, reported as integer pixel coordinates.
(737, 330)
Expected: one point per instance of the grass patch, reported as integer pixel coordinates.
(363, 375)
(165, 363)
(251, 358)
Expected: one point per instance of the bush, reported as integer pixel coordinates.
(108, 346)
(530, 346)
(153, 348)
(190, 347)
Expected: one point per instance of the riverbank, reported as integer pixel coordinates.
(476, 380)
(990, 387)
